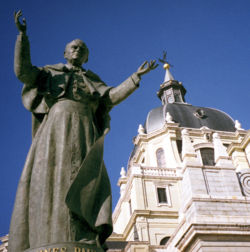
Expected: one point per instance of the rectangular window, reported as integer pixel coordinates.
(207, 156)
(179, 147)
(162, 195)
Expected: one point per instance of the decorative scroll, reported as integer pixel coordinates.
(244, 178)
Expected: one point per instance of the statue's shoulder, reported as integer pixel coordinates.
(93, 76)
(60, 67)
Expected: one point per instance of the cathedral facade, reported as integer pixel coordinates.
(187, 184)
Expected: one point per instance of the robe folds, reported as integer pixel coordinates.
(64, 191)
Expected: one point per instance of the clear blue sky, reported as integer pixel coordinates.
(208, 42)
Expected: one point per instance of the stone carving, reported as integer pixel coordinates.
(169, 118)
(200, 113)
(244, 178)
(238, 125)
(141, 130)
(123, 173)
(64, 192)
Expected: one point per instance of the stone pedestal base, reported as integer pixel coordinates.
(67, 247)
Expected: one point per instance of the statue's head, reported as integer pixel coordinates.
(76, 52)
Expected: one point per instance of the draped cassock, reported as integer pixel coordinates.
(64, 192)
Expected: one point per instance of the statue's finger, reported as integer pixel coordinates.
(16, 16)
(19, 13)
(143, 64)
(154, 66)
(152, 63)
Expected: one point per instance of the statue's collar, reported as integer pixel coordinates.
(74, 68)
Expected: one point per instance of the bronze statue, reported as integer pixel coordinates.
(64, 192)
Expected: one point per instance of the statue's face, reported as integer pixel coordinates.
(76, 53)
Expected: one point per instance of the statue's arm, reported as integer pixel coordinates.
(23, 68)
(121, 92)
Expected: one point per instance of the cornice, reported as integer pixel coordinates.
(147, 214)
(241, 145)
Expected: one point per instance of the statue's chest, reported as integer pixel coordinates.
(70, 85)
(77, 88)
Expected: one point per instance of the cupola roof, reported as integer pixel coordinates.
(189, 116)
(172, 94)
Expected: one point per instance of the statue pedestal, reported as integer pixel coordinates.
(67, 247)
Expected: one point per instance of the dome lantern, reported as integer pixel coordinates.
(171, 90)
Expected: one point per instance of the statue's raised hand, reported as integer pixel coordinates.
(146, 67)
(20, 26)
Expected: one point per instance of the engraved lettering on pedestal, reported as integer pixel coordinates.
(76, 249)
(53, 250)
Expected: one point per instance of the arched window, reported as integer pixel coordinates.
(160, 157)
(164, 240)
(207, 156)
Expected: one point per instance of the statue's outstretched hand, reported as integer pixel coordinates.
(146, 67)
(20, 26)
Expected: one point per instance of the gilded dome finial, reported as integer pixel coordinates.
(166, 65)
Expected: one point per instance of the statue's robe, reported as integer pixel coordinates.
(64, 192)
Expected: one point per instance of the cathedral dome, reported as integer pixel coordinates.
(172, 94)
(189, 116)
